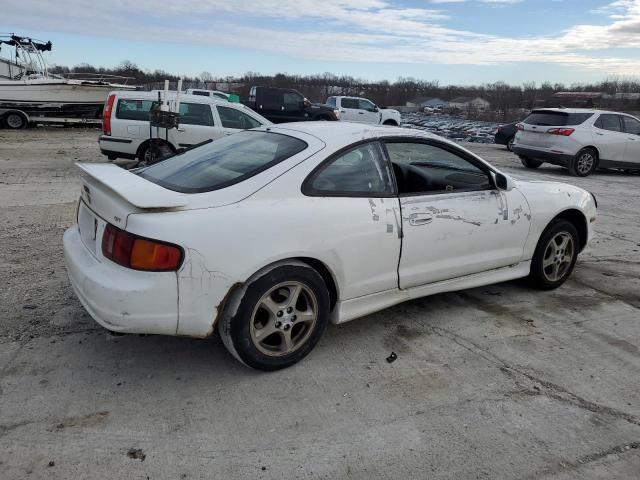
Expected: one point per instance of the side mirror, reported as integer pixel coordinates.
(306, 103)
(503, 182)
(376, 109)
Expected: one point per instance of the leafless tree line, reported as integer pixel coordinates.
(506, 100)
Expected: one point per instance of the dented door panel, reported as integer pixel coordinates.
(457, 234)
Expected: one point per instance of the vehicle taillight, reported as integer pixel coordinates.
(106, 115)
(519, 126)
(139, 253)
(565, 132)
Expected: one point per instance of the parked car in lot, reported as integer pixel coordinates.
(506, 134)
(269, 234)
(281, 105)
(362, 110)
(581, 140)
(125, 123)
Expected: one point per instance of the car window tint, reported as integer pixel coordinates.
(234, 118)
(360, 171)
(349, 103)
(365, 105)
(556, 119)
(220, 95)
(203, 93)
(196, 114)
(424, 168)
(631, 125)
(224, 162)
(129, 109)
(331, 101)
(610, 122)
(292, 101)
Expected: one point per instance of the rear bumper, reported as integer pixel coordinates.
(554, 158)
(118, 298)
(118, 147)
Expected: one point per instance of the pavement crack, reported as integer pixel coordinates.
(532, 385)
(585, 460)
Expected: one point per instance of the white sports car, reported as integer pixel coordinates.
(269, 234)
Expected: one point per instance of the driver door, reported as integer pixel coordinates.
(454, 221)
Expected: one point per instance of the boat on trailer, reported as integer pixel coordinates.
(29, 92)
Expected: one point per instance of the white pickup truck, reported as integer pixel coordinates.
(361, 110)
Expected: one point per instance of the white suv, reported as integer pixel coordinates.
(579, 139)
(126, 129)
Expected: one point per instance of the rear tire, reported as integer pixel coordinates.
(584, 163)
(510, 141)
(530, 163)
(148, 157)
(555, 255)
(281, 317)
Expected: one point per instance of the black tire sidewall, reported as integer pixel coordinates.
(23, 120)
(536, 276)
(529, 163)
(574, 171)
(239, 331)
(509, 141)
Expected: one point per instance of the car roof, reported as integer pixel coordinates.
(153, 95)
(578, 110)
(349, 132)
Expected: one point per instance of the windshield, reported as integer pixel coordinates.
(223, 162)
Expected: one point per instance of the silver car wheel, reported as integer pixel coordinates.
(558, 256)
(283, 319)
(585, 163)
(14, 121)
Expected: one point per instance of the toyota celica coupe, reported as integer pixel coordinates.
(269, 234)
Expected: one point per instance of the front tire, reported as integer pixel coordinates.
(584, 163)
(390, 123)
(555, 255)
(530, 163)
(280, 319)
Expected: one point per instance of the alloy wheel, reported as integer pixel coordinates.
(585, 163)
(283, 319)
(558, 256)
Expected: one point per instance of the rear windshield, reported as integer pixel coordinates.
(223, 162)
(556, 119)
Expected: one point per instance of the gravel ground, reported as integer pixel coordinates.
(496, 382)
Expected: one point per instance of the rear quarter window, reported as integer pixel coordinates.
(130, 109)
(556, 119)
(224, 162)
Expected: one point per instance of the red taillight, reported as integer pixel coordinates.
(106, 115)
(519, 126)
(138, 253)
(565, 132)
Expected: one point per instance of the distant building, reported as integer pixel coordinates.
(466, 103)
(431, 102)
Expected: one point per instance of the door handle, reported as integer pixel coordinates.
(418, 219)
(599, 133)
(180, 129)
(360, 113)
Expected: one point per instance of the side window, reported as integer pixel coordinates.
(609, 122)
(134, 109)
(366, 105)
(349, 103)
(424, 168)
(272, 99)
(234, 118)
(359, 172)
(631, 125)
(220, 95)
(292, 101)
(204, 93)
(331, 101)
(196, 114)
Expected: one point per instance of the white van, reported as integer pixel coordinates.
(126, 127)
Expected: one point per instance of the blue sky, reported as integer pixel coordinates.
(452, 41)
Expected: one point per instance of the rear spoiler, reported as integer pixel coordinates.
(134, 189)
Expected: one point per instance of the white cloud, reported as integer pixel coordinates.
(348, 30)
